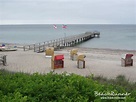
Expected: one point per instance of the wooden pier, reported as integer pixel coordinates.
(62, 42)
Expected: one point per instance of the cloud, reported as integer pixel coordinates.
(68, 11)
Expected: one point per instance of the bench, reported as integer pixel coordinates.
(3, 59)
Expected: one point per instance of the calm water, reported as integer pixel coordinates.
(112, 36)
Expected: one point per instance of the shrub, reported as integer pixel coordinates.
(21, 87)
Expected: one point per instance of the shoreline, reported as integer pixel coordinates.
(85, 48)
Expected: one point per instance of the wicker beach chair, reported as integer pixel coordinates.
(127, 60)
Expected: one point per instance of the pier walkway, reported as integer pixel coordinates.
(62, 42)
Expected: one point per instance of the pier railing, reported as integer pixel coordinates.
(62, 42)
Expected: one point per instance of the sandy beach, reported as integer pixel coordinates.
(104, 62)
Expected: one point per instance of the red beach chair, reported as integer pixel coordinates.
(127, 60)
(58, 61)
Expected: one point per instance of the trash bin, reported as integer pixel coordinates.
(127, 60)
(81, 61)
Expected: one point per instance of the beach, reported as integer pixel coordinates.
(99, 62)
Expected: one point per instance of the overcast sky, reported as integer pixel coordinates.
(67, 11)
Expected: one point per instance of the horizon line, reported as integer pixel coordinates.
(70, 24)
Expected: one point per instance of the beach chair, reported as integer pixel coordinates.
(81, 61)
(3, 59)
(57, 61)
(49, 52)
(73, 54)
(127, 60)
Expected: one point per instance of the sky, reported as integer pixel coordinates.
(67, 12)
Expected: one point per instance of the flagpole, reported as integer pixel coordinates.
(64, 27)
(64, 36)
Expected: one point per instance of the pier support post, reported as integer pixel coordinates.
(24, 48)
(34, 47)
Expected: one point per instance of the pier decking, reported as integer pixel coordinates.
(62, 42)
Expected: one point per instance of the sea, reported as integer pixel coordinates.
(111, 36)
